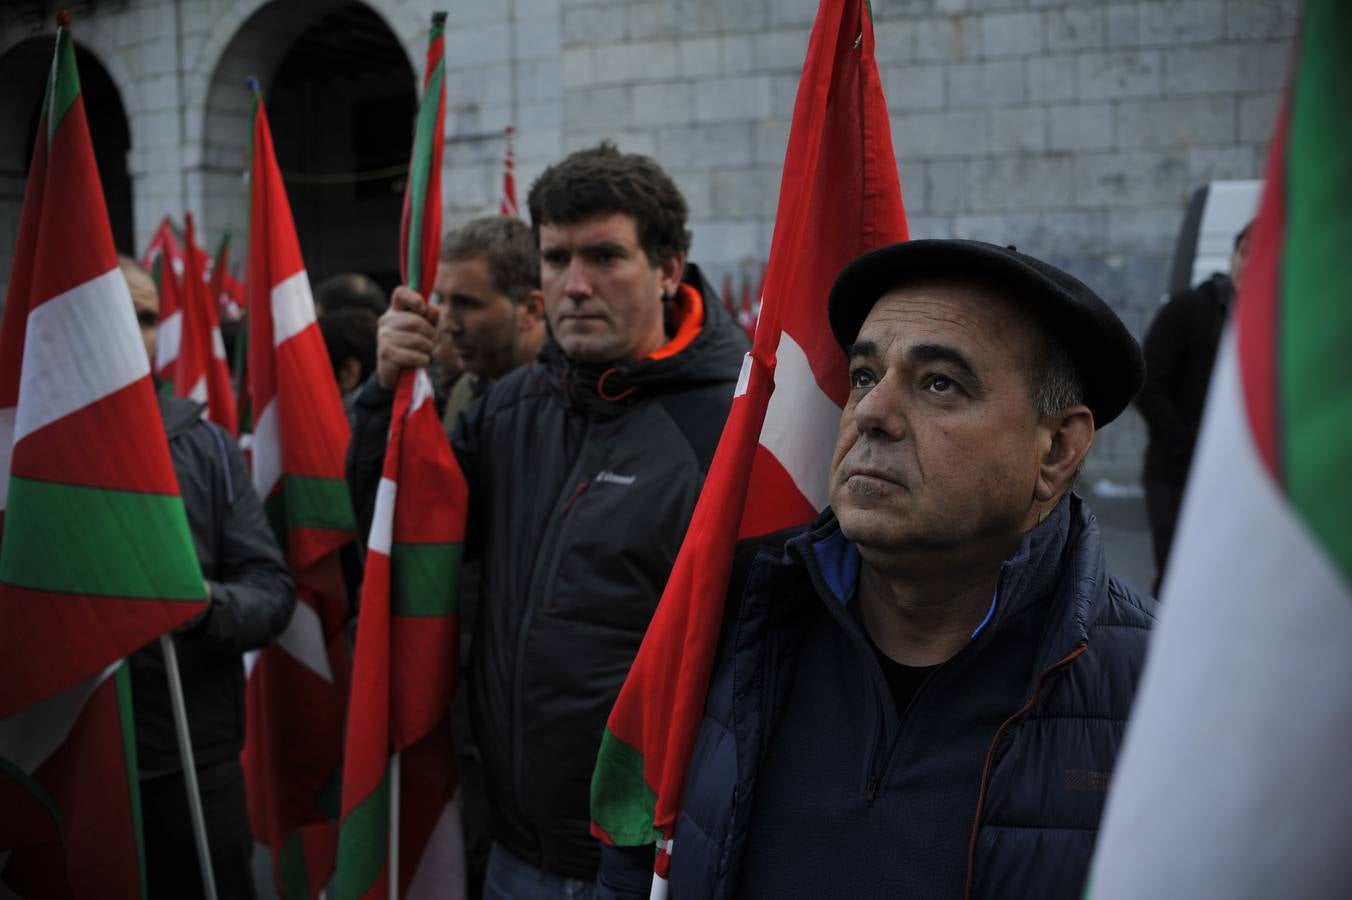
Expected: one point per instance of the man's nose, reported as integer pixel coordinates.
(881, 413)
(576, 284)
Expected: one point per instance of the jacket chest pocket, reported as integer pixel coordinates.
(621, 530)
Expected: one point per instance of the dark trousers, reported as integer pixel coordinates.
(1163, 500)
(171, 851)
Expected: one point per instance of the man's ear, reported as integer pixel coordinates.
(673, 269)
(1068, 437)
(531, 310)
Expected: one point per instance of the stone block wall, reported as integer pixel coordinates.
(1074, 129)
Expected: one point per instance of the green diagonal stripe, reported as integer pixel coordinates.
(64, 85)
(621, 801)
(425, 578)
(309, 502)
(108, 543)
(1315, 386)
(126, 720)
(295, 876)
(420, 170)
(362, 844)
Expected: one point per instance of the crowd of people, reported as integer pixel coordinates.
(928, 683)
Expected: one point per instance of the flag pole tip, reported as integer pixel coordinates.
(438, 19)
(510, 131)
(252, 83)
(63, 18)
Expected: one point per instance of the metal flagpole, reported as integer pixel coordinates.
(659, 888)
(199, 821)
(393, 855)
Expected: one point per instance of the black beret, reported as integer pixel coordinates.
(1105, 355)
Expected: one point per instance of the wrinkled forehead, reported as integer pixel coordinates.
(978, 318)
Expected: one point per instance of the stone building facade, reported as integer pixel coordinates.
(1074, 129)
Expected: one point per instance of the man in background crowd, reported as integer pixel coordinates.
(492, 310)
(251, 597)
(1180, 352)
(583, 469)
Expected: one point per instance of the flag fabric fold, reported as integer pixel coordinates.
(406, 665)
(96, 559)
(1229, 784)
(296, 695)
(840, 197)
(166, 246)
(169, 332)
(201, 371)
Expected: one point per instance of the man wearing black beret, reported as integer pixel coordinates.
(922, 692)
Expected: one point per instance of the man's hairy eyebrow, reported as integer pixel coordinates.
(861, 348)
(922, 353)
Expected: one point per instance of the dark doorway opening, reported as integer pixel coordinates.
(341, 106)
(23, 72)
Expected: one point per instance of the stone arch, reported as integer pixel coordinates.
(254, 38)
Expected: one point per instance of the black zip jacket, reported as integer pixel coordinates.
(582, 482)
(806, 781)
(252, 597)
(1180, 352)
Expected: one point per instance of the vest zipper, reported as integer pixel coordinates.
(990, 756)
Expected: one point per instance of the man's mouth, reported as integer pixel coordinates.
(874, 474)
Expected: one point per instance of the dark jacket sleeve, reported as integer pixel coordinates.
(626, 873)
(465, 440)
(366, 451)
(253, 595)
(1166, 348)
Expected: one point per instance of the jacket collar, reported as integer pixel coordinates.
(1059, 562)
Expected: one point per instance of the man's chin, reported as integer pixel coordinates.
(872, 525)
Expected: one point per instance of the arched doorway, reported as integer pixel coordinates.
(341, 99)
(23, 72)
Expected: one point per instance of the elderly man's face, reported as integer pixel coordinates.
(939, 443)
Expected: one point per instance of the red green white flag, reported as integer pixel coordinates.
(1232, 781)
(839, 197)
(167, 245)
(406, 664)
(169, 334)
(201, 372)
(96, 559)
(227, 306)
(297, 689)
(507, 202)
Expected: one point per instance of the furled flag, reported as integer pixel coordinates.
(297, 690)
(96, 559)
(227, 307)
(202, 373)
(169, 335)
(839, 197)
(401, 834)
(166, 243)
(507, 202)
(164, 247)
(1232, 781)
